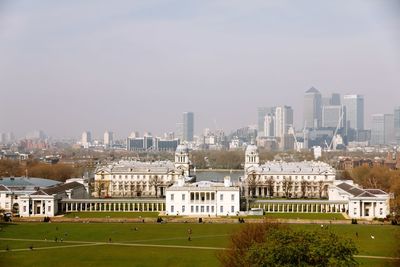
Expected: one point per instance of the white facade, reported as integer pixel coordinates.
(135, 178)
(362, 203)
(203, 198)
(286, 179)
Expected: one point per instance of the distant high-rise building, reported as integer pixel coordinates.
(269, 125)
(188, 126)
(331, 115)
(108, 139)
(382, 132)
(312, 108)
(86, 139)
(335, 99)
(283, 122)
(354, 111)
(396, 119)
(37, 134)
(261, 113)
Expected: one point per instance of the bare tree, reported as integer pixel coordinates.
(322, 188)
(270, 186)
(156, 182)
(287, 185)
(253, 180)
(304, 185)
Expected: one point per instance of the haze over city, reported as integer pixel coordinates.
(137, 65)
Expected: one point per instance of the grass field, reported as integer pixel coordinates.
(154, 244)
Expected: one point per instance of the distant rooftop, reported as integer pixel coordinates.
(27, 182)
(312, 90)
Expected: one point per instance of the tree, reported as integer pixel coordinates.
(156, 181)
(252, 182)
(304, 185)
(287, 185)
(270, 186)
(269, 244)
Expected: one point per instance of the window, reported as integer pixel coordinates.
(183, 209)
(201, 208)
(172, 208)
(232, 209)
(221, 209)
(24, 208)
(191, 209)
(183, 196)
(221, 197)
(212, 196)
(208, 208)
(172, 196)
(380, 211)
(197, 208)
(233, 197)
(49, 208)
(212, 209)
(192, 196)
(355, 211)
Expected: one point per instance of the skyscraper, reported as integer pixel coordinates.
(188, 126)
(108, 139)
(382, 132)
(331, 115)
(312, 108)
(261, 113)
(354, 111)
(397, 125)
(86, 139)
(283, 122)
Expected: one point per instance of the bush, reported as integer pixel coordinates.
(354, 221)
(269, 244)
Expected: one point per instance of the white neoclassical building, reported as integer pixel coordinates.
(309, 179)
(361, 203)
(136, 178)
(203, 198)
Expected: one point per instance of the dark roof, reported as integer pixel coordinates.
(376, 191)
(3, 188)
(61, 188)
(39, 193)
(312, 90)
(355, 191)
(27, 182)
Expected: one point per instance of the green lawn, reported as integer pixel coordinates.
(94, 249)
(112, 214)
(311, 216)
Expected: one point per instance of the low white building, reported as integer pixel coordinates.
(362, 203)
(203, 198)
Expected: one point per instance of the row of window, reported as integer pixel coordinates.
(144, 177)
(201, 209)
(203, 196)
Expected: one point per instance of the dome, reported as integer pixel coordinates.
(182, 149)
(251, 149)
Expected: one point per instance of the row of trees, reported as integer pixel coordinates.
(255, 181)
(59, 172)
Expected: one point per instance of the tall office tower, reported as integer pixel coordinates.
(283, 121)
(397, 125)
(382, 132)
(269, 128)
(312, 108)
(108, 139)
(335, 99)
(86, 139)
(261, 113)
(332, 115)
(354, 111)
(188, 126)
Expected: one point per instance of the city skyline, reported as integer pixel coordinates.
(138, 66)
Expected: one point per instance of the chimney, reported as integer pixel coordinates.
(227, 181)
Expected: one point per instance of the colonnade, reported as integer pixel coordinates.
(304, 206)
(104, 205)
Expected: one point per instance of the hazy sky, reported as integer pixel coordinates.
(68, 66)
